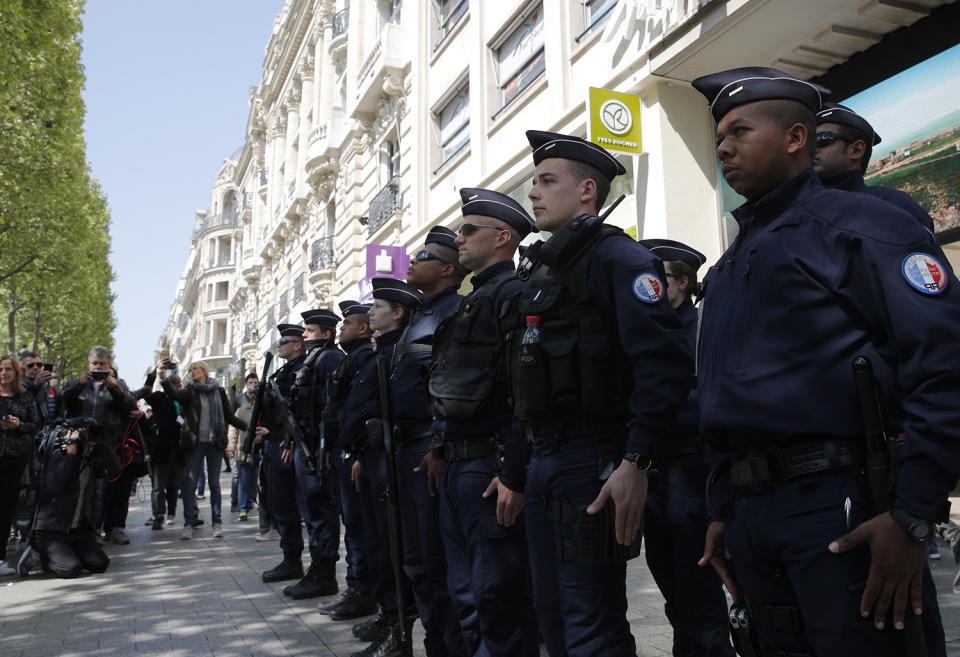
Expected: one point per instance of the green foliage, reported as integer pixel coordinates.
(54, 221)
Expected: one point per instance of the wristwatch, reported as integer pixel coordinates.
(642, 462)
(918, 529)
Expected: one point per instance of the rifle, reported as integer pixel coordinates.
(882, 464)
(289, 424)
(257, 405)
(377, 429)
(322, 443)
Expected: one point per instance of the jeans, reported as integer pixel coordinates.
(246, 479)
(213, 454)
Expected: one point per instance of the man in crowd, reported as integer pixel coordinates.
(37, 376)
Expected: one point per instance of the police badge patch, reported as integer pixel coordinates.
(648, 288)
(925, 273)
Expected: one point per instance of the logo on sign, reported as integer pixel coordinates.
(648, 288)
(616, 117)
(925, 273)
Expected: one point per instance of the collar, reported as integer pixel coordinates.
(850, 181)
(431, 302)
(483, 277)
(389, 338)
(352, 345)
(777, 202)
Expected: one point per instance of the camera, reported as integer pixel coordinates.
(99, 375)
(48, 367)
(6, 417)
(86, 428)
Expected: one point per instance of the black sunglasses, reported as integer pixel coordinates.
(285, 341)
(423, 256)
(826, 138)
(469, 229)
(31, 365)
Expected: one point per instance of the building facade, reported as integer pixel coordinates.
(372, 114)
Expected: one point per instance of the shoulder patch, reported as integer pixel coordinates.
(648, 288)
(925, 273)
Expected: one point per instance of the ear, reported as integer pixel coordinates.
(796, 138)
(857, 149)
(588, 191)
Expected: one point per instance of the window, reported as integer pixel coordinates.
(223, 289)
(595, 12)
(520, 58)
(449, 13)
(389, 161)
(454, 123)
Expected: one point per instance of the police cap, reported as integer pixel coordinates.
(836, 113)
(391, 289)
(674, 250)
(290, 330)
(320, 317)
(443, 237)
(550, 144)
(488, 203)
(351, 307)
(740, 86)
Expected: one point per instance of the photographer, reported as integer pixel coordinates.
(18, 422)
(36, 380)
(98, 393)
(64, 533)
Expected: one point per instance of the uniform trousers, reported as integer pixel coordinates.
(358, 575)
(488, 571)
(66, 554)
(547, 596)
(423, 560)
(285, 501)
(323, 513)
(778, 543)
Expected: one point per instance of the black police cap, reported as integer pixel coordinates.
(550, 144)
(674, 250)
(391, 289)
(290, 330)
(443, 236)
(351, 307)
(488, 203)
(740, 86)
(836, 113)
(320, 317)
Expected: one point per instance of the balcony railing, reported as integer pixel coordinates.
(298, 292)
(384, 205)
(284, 308)
(340, 21)
(321, 254)
(215, 221)
(264, 177)
(249, 333)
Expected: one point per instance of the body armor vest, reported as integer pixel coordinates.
(464, 375)
(306, 392)
(337, 389)
(577, 366)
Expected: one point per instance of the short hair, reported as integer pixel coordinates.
(25, 354)
(788, 113)
(17, 372)
(856, 135)
(405, 318)
(682, 268)
(99, 351)
(582, 171)
(251, 375)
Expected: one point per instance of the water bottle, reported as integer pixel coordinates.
(532, 334)
(533, 372)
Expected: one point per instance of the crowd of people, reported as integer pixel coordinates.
(496, 458)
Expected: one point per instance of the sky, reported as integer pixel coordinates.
(167, 100)
(931, 85)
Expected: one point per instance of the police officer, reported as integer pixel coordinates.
(815, 279)
(437, 273)
(284, 498)
(393, 302)
(675, 524)
(845, 141)
(482, 493)
(354, 339)
(595, 389)
(317, 491)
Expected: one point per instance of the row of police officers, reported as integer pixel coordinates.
(497, 457)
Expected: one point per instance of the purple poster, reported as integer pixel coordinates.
(383, 261)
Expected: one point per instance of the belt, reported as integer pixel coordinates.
(408, 433)
(761, 470)
(571, 425)
(674, 449)
(466, 450)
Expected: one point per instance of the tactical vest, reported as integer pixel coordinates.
(306, 391)
(577, 368)
(463, 375)
(338, 387)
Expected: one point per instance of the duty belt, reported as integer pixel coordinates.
(408, 433)
(674, 449)
(761, 470)
(466, 450)
(570, 425)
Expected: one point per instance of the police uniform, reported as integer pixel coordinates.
(600, 385)
(675, 521)
(362, 404)
(285, 498)
(816, 278)
(355, 600)
(309, 396)
(487, 563)
(852, 181)
(424, 561)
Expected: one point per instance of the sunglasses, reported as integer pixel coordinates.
(826, 138)
(469, 229)
(29, 366)
(285, 341)
(424, 256)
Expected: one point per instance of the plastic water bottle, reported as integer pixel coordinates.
(532, 334)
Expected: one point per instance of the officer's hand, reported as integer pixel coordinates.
(896, 564)
(509, 502)
(286, 455)
(434, 470)
(627, 487)
(713, 556)
(355, 475)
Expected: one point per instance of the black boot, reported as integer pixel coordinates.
(373, 629)
(289, 568)
(352, 603)
(392, 646)
(319, 580)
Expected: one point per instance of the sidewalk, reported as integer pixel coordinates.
(165, 596)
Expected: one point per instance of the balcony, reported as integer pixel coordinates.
(250, 336)
(385, 205)
(324, 144)
(321, 254)
(264, 179)
(294, 203)
(338, 39)
(388, 58)
(210, 222)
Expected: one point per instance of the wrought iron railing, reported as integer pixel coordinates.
(321, 254)
(340, 21)
(384, 205)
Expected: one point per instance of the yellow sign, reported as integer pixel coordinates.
(615, 120)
